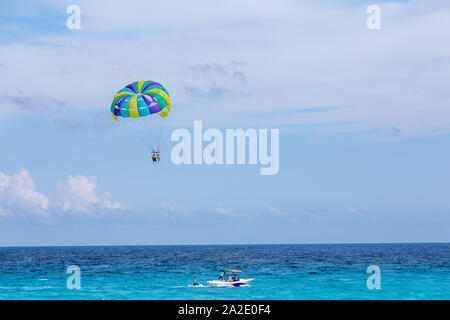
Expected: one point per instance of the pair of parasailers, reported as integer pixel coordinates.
(155, 157)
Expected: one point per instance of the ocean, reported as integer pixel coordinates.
(335, 271)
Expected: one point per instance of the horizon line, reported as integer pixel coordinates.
(218, 244)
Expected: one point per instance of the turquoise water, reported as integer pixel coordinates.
(408, 271)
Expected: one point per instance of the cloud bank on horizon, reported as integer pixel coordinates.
(78, 195)
(266, 61)
(17, 192)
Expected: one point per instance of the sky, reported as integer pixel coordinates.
(364, 120)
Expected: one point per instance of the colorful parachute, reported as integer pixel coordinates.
(139, 107)
(140, 99)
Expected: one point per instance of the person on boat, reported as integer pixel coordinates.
(222, 275)
(235, 277)
(153, 157)
(158, 157)
(196, 283)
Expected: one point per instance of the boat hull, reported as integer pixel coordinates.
(222, 283)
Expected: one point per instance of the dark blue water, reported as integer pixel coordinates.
(408, 271)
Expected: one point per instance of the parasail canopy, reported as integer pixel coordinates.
(141, 99)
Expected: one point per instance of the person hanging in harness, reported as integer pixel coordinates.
(154, 157)
(158, 158)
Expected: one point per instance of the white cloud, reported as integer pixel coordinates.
(356, 211)
(274, 211)
(223, 211)
(360, 213)
(18, 195)
(168, 206)
(79, 194)
(216, 80)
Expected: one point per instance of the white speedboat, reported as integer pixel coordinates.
(227, 280)
(229, 283)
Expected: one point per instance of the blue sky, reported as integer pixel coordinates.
(364, 122)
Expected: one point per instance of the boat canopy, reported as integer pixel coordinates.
(231, 270)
